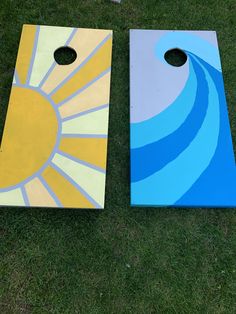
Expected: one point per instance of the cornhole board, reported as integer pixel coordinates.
(54, 145)
(181, 145)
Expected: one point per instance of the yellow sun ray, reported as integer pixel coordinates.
(90, 180)
(100, 62)
(84, 42)
(25, 52)
(68, 195)
(91, 150)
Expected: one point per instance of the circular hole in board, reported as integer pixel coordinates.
(65, 55)
(175, 57)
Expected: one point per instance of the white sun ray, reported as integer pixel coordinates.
(95, 122)
(12, 198)
(91, 180)
(50, 38)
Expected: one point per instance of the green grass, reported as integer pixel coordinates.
(122, 259)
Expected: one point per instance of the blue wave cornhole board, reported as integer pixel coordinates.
(181, 145)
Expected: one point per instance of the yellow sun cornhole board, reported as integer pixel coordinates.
(54, 145)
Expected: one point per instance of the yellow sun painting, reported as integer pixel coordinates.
(54, 145)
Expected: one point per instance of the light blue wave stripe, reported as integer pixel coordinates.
(191, 43)
(168, 185)
(170, 119)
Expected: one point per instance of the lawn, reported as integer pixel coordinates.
(121, 259)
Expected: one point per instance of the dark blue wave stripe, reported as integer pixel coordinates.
(217, 184)
(151, 158)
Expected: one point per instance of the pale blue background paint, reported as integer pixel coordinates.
(168, 120)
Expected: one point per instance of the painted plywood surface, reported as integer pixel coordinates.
(54, 145)
(181, 146)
